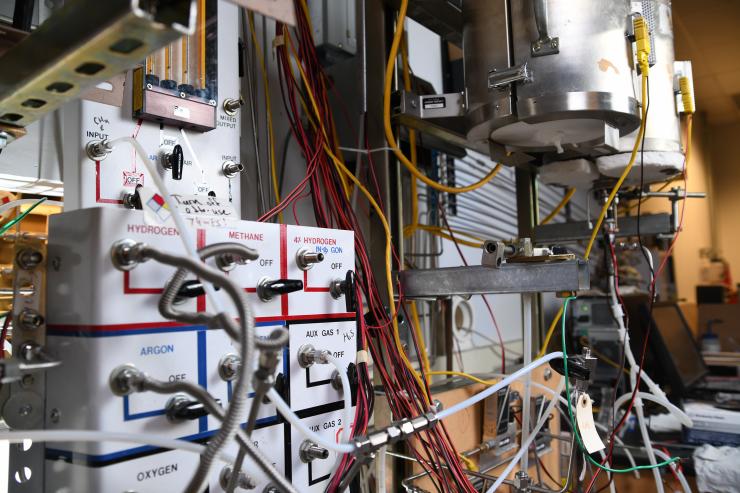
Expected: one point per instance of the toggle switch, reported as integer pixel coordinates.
(174, 161)
(191, 289)
(182, 408)
(345, 287)
(309, 452)
(268, 288)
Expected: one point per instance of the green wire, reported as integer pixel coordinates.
(20, 217)
(573, 421)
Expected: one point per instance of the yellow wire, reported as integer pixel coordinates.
(559, 207)
(607, 359)
(422, 345)
(461, 374)
(605, 208)
(438, 231)
(389, 69)
(268, 107)
(412, 141)
(386, 228)
(633, 156)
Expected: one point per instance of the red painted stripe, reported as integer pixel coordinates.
(149, 325)
(127, 289)
(99, 200)
(201, 242)
(308, 289)
(284, 265)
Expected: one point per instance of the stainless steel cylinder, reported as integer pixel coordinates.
(662, 155)
(579, 91)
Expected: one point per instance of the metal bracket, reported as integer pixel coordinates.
(534, 277)
(499, 79)
(544, 45)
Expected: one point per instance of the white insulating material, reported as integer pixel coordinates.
(549, 135)
(578, 173)
(716, 469)
(658, 166)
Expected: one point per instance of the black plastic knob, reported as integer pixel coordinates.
(346, 288)
(175, 161)
(183, 409)
(168, 84)
(191, 289)
(268, 289)
(577, 370)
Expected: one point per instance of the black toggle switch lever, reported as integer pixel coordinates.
(345, 287)
(182, 408)
(174, 161)
(267, 288)
(191, 289)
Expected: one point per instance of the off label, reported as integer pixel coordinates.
(132, 178)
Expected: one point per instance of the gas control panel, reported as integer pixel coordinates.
(100, 318)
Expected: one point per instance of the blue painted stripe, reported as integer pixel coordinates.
(125, 332)
(127, 416)
(202, 375)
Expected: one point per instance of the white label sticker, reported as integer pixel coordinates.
(204, 206)
(587, 429)
(132, 178)
(182, 112)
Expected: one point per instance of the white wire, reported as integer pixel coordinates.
(196, 161)
(107, 436)
(17, 203)
(619, 441)
(295, 421)
(682, 416)
(497, 386)
(681, 478)
(365, 151)
(525, 445)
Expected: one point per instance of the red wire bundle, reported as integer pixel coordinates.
(332, 209)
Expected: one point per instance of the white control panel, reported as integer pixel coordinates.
(100, 318)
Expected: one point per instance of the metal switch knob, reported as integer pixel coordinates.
(305, 259)
(174, 162)
(267, 288)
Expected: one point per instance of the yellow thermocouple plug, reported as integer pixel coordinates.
(685, 87)
(642, 41)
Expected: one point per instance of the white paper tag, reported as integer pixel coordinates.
(587, 429)
(204, 206)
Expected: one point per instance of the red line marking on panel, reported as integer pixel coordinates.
(201, 242)
(127, 289)
(97, 188)
(284, 265)
(308, 289)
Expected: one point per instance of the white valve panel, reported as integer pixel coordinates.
(100, 318)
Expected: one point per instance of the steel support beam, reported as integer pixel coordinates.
(571, 275)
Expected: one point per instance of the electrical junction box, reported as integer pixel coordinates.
(100, 318)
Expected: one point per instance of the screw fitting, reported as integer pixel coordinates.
(30, 319)
(229, 366)
(126, 254)
(231, 169)
(309, 452)
(97, 150)
(125, 380)
(29, 258)
(308, 356)
(305, 259)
